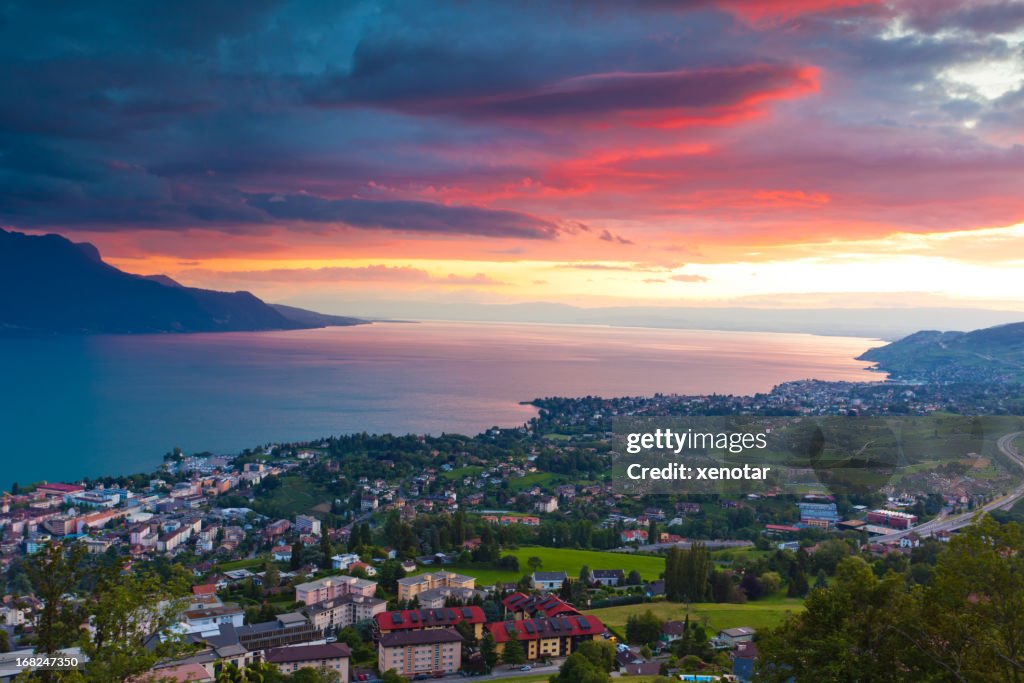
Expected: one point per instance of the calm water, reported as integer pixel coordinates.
(114, 404)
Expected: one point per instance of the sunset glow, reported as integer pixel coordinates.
(763, 153)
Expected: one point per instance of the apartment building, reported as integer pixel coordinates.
(411, 586)
(415, 653)
(331, 615)
(331, 587)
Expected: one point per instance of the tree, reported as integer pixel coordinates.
(326, 552)
(392, 676)
(513, 653)
(845, 633)
(126, 611)
(296, 560)
(534, 563)
(601, 652)
(488, 651)
(55, 573)
(271, 576)
(5, 641)
(771, 582)
(577, 668)
(643, 628)
(797, 586)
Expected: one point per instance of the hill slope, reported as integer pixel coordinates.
(50, 284)
(992, 354)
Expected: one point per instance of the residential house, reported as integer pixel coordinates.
(548, 581)
(608, 577)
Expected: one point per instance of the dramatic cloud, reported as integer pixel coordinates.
(523, 143)
(405, 216)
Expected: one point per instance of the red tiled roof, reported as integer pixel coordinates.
(535, 629)
(65, 488)
(551, 605)
(429, 618)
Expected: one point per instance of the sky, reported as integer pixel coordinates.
(671, 153)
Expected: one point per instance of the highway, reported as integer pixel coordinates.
(952, 523)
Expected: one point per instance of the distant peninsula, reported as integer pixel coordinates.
(51, 285)
(992, 354)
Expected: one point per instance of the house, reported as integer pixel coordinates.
(543, 638)
(911, 540)
(548, 581)
(743, 662)
(731, 637)
(607, 577)
(642, 669)
(281, 553)
(343, 561)
(330, 658)
(366, 569)
(634, 536)
(672, 631)
(208, 619)
(417, 653)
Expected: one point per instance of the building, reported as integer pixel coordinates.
(206, 620)
(634, 536)
(411, 586)
(288, 629)
(343, 561)
(607, 577)
(304, 524)
(672, 631)
(415, 653)
(548, 581)
(327, 617)
(440, 597)
(546, 504)
(547, 637)
(892, 518)
(731, 637)
(522, 606)
(281, 553)
(332, 587)
(59, 490)
(820, 515)
(426, 619)
(329, 658)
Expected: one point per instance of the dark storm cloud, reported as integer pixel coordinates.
(406, 216)
(599, 94)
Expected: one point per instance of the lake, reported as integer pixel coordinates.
(89, 406)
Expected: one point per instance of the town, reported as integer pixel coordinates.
(365, 558)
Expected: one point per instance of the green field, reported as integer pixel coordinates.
(761, 615)
(294, 495)
(241, 564)
(568, 561)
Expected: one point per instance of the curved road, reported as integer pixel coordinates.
(1005, 445)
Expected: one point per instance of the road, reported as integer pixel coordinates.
(952, 523)
(502, 672)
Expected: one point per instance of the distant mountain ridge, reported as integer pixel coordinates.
(50, 284)
(989, 354)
